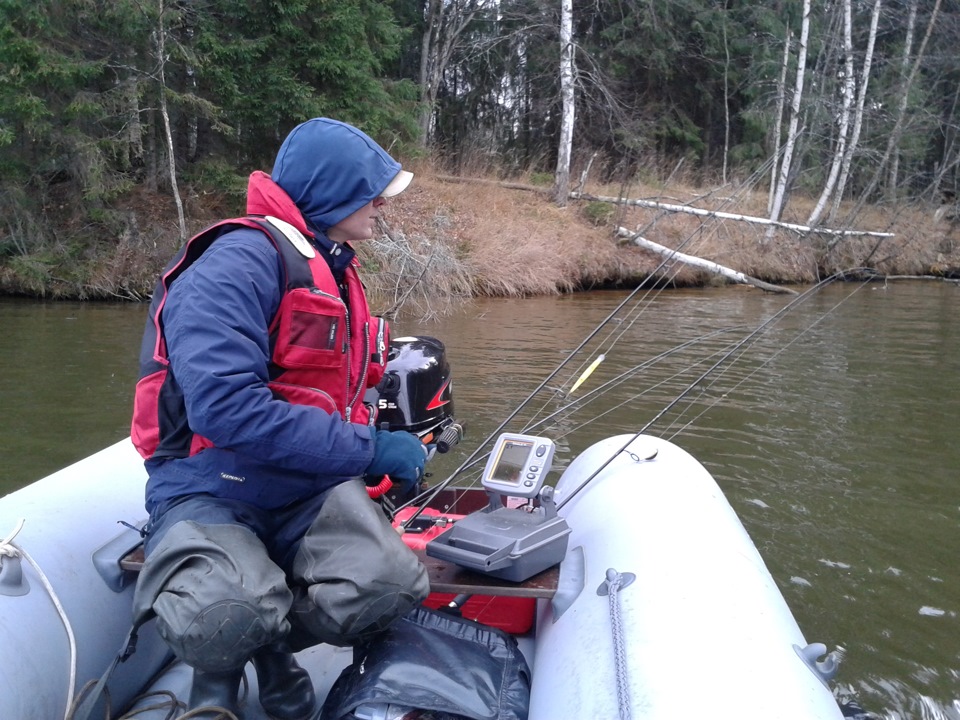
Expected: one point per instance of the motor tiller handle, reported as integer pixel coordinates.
(452, 435)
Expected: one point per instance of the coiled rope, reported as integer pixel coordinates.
(8, 548)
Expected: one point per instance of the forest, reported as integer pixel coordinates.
(116, 112)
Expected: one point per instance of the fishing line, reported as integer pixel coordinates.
(637, 395)
(601, 390)
(586, 399)
(433, 492)
(766, 362)
(603, 348)
(756, 332)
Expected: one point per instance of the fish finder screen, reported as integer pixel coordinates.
(510, 463)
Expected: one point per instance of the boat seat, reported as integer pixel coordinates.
(445, 577)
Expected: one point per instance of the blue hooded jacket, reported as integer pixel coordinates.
(216, 321)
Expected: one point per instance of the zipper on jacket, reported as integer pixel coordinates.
(381, 341)
(364, 369)
(318, 291)
(348, 410)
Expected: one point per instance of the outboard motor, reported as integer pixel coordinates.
(416, 395)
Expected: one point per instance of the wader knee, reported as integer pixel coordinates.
(216, 594)
(357, 574)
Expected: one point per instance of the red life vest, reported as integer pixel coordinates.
(322, 353)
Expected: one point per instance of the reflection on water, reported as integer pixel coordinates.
(833, 433)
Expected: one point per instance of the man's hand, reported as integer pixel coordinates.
(398, 454)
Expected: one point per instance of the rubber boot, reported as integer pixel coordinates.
(286, 690)
(213, 692)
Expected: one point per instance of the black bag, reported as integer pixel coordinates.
(434, 661)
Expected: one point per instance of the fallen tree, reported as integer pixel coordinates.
(668, 207)
(671, 207)
(708, 265)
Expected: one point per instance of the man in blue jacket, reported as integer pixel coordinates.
(249, 413)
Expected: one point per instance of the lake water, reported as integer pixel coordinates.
(833, 431)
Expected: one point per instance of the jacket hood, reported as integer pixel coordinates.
(330, 170)
(265, 197)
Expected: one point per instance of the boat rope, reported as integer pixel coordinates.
(611, 588)
(9, 548)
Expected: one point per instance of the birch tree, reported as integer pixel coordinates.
(858, 114)
(893, 138)
(778, 119)
(894, 170)
(849, 88)
(562, 187)
(160, 40)
(783, 179)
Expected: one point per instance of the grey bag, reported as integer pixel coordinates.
(434, 661)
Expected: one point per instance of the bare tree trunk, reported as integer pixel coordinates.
(858, 115)
(703, 212)
(726, 101)
(446, 21)
(562, 187)
(150, 169)
(134, 128)
(160, 38)
(778, 123)
(894, 137)
(428, 80)
(782, 180)
(849, 87)
(904, 69)
(193, 122)
(702, 264)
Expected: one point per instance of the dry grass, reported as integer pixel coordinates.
(446, 239)
(481, 237)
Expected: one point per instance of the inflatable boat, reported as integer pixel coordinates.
(695, 612)
(628, 584)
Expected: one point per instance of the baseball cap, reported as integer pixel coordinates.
(398, 184)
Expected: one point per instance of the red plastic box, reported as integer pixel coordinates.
(510, 614)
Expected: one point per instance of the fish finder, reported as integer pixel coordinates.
(518, 465)
(507, 542)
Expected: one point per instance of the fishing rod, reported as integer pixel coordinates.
(749, 338)
(593, 333)
(599, 392)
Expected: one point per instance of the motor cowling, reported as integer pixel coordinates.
(415, 395)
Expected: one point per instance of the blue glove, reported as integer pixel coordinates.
(398, 454)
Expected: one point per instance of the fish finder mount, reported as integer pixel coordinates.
(505, 542)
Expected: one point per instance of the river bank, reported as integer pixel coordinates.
(447, 239)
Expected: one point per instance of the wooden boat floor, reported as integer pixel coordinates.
(445, 577)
